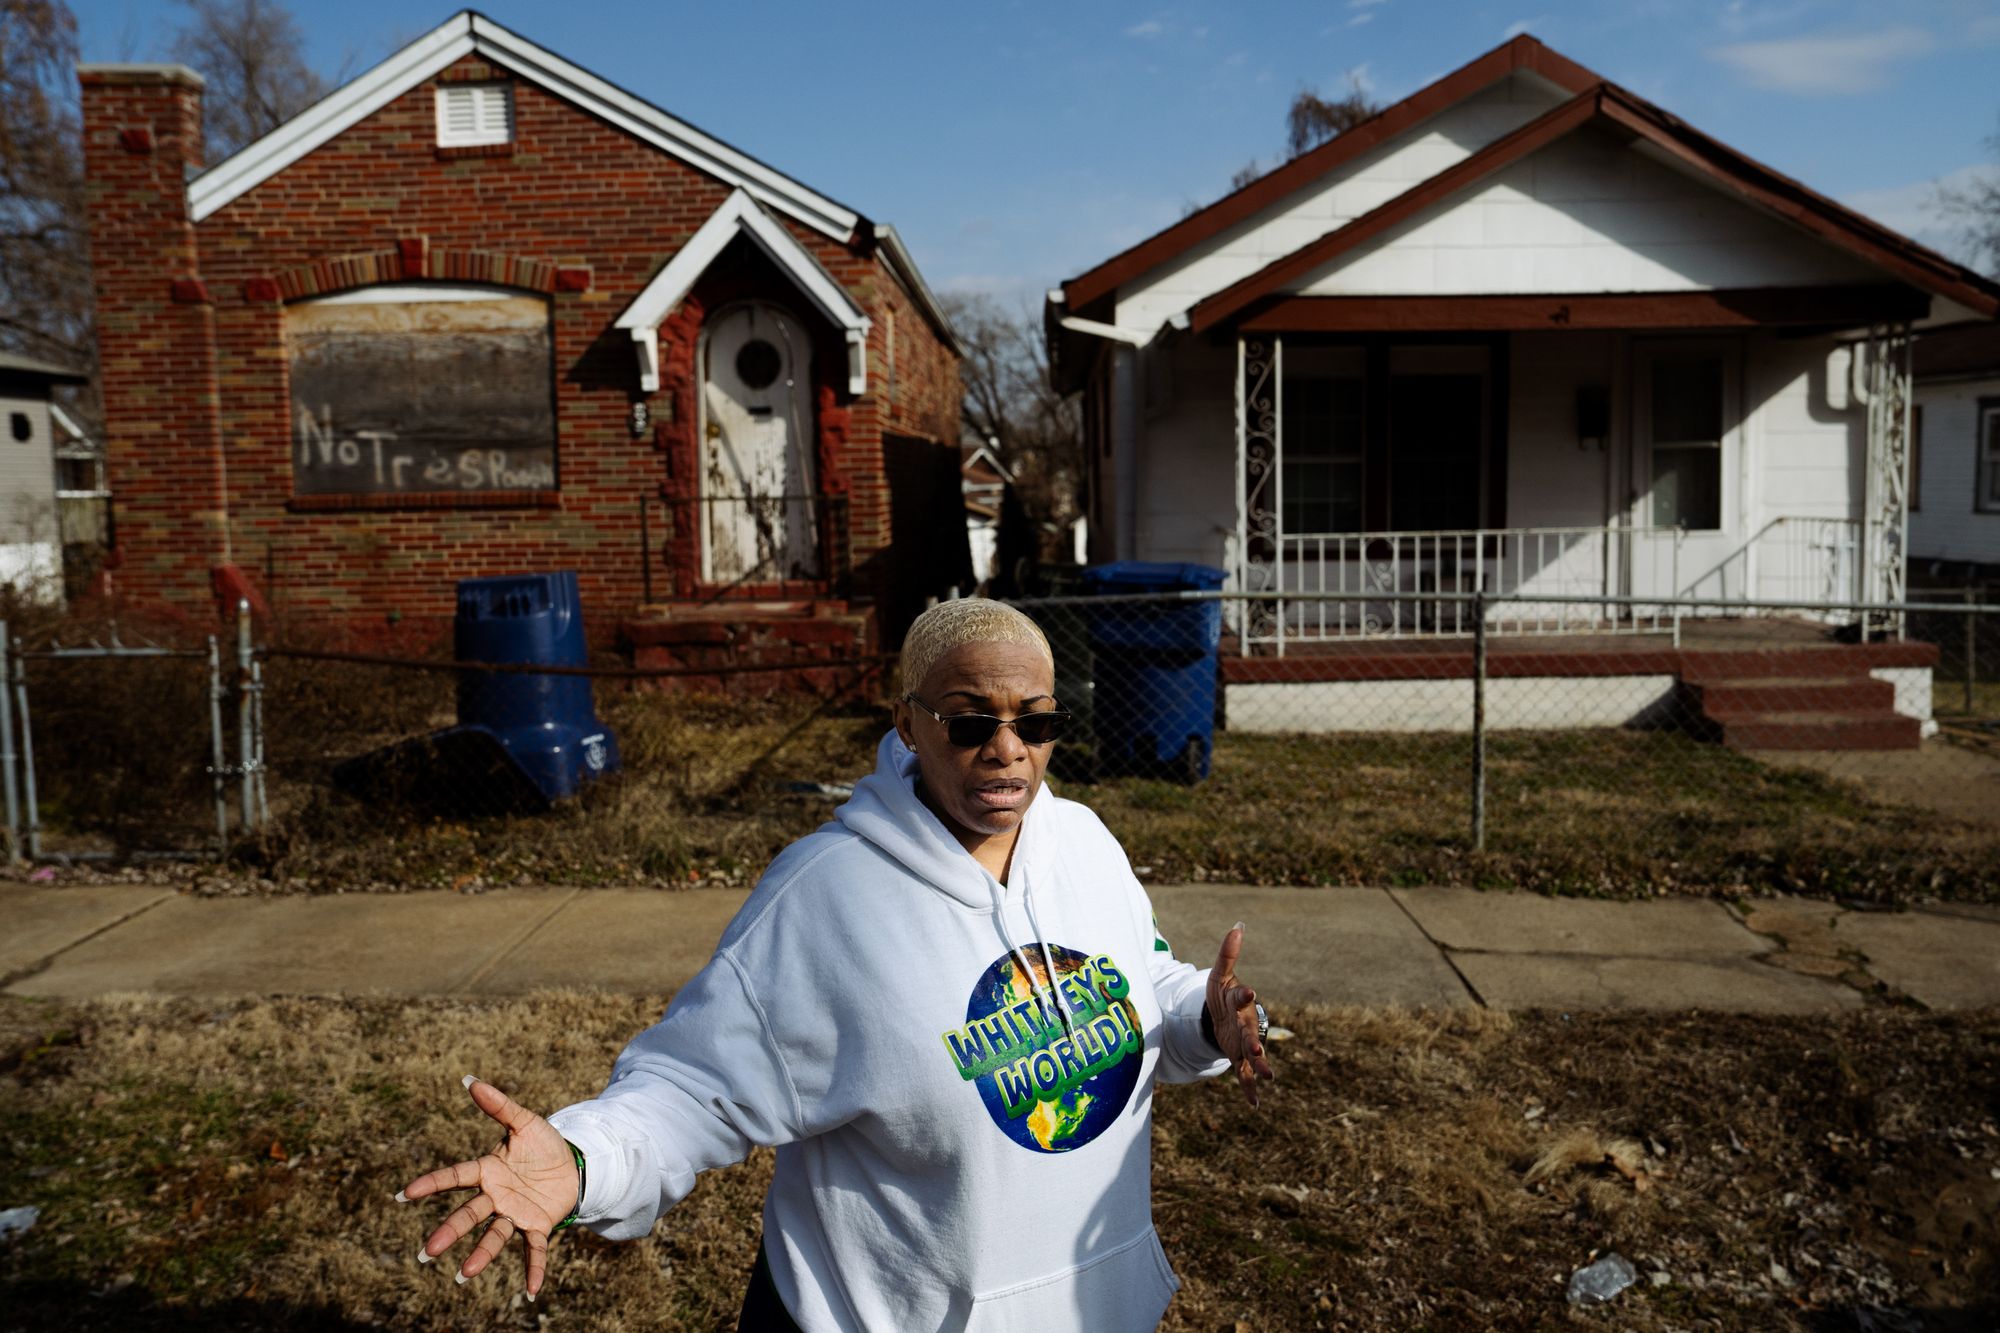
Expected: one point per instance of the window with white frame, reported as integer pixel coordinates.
(473, 114)
(1686, 411)
(1323, 464)
(1324, 455)
(1986, 496)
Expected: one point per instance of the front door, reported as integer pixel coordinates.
(758, 492)
(1684, 462)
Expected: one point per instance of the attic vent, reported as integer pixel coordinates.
(474, 113)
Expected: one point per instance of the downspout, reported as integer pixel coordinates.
(1124, 347)
(1125, 445)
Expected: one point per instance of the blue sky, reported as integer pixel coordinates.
(1015, 142)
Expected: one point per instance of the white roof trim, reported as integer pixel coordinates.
(740, 214)
(464, 34)
(904, 267)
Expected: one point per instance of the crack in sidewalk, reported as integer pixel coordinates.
(47, 961)
(1442, 952)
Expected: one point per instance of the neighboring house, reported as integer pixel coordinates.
(1523, 331)
(984, 482)
(83, 502)
(31, 539)
(1955, 465)
(479, 310)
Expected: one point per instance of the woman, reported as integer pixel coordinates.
(946, 1009)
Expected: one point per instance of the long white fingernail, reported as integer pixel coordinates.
(402, 1197)
(469, 1080)
(423, 1255)
(531, 1295)
(1237, 926)
(460, 1279)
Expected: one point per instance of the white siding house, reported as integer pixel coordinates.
(30, 527)
(1955, 489)
(1523, 333)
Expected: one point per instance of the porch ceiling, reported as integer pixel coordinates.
(1761, 307)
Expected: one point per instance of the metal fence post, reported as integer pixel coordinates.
(1479, 721)
(257, 741)
(30, 806)
(218, 764)
(247, 802)
(1971, 647)
(7, 756)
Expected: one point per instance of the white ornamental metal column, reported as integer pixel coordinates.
(1886, 494)
(1259, 453)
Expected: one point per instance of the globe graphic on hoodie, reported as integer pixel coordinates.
(1055, 1062)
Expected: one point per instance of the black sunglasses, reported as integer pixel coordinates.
(969, 731)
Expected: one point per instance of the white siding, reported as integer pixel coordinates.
(1187, 452)
(1551, 481)
(1946, 527)
(29, 538)
(1339, 197)
(1586, 214)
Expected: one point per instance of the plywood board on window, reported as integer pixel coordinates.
(421, 397)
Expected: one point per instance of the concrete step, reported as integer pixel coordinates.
(1881, 730)
(1777, 694)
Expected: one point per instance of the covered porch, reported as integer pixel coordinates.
(1395, 454)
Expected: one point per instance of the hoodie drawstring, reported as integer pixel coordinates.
(1020, 956)
(1028, 903)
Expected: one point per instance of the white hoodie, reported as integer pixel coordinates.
(956, 1149)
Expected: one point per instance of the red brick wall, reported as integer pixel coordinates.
(155, 332)
(381, 203)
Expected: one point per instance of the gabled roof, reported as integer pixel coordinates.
(1594, 100)
(740, 215)
(1521, 53)
(1637, 119)
(469, 33)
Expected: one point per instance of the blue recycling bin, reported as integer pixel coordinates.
(1153, 669)
(548, 725)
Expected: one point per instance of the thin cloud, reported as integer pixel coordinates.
(1150, 28)
(1521, 27)
(1916, 209)
(1365, 16)
(1365, 4)
(1822, 66)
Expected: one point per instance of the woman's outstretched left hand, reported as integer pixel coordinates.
(1232, 1009)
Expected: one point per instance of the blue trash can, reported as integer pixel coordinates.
(1153, 669)
(547, 724)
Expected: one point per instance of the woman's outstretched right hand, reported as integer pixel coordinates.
(527, 1184)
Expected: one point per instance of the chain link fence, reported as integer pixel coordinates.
(1626, 745)
(1628, 749)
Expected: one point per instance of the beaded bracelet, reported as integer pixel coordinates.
(582, 1178)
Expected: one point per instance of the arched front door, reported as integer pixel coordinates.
(758, 491)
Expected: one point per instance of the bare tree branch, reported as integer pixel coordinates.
(1010, 407)
(1974, 209)
(252, 54)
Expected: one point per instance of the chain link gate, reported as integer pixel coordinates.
(116, 763)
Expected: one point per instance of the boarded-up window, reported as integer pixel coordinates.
(417, 389)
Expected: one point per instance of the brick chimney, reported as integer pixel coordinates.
(142, 140)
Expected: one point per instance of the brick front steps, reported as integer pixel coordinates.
(1804, 700)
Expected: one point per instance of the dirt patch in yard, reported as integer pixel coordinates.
(233, 1166)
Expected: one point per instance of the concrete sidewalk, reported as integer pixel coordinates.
(1408, 947)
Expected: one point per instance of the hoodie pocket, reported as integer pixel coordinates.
(1125, 1289)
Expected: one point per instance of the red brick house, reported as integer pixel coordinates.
(480, 311)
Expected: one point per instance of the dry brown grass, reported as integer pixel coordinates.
(233, 1167)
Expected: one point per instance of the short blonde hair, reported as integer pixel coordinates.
(953, 624)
